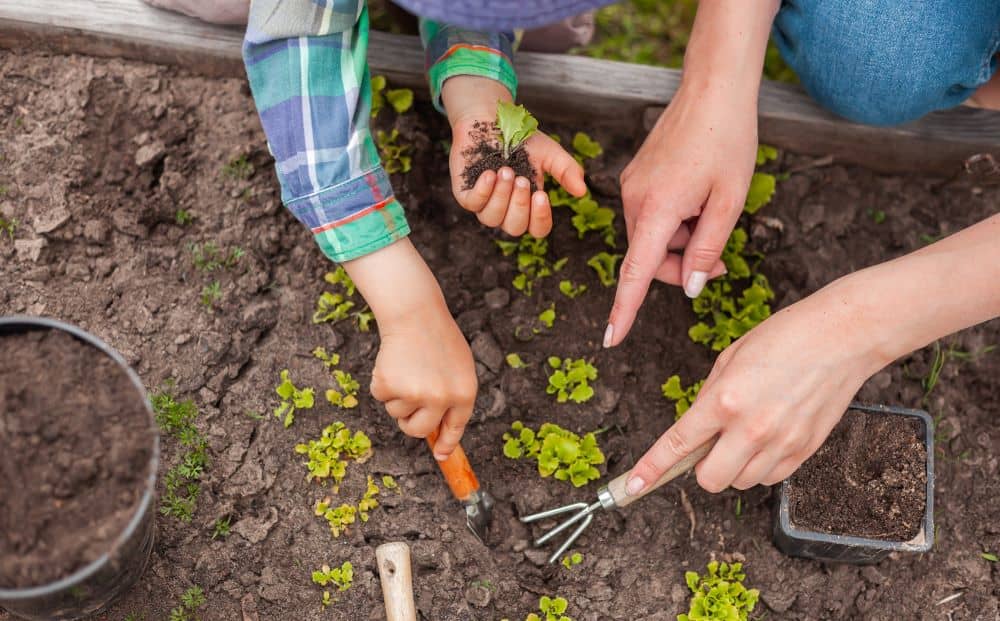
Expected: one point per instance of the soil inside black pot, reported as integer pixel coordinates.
(485, 154)
(868, 480)
(75, 443)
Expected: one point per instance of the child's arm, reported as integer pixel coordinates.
(469, 72)
(306, 61)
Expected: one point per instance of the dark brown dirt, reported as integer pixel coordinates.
(75, 444)
(485, 154)
(117, 264)
(868, 480)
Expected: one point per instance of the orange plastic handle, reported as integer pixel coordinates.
(457, 471)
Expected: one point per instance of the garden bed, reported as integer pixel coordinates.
(98, 156)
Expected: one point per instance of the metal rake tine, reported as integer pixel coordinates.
(541, 515)
(587, 511)
(569, 540)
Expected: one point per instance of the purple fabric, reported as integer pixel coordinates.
(502, 15)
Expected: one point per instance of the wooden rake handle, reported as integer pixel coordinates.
(617, 486)
(457, 471)
(396, 576)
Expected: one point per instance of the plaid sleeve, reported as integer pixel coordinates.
(308, 70)
(451, 51)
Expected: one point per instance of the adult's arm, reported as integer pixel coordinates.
(696, 162)
(776, 393)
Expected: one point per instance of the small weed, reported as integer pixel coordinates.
(605, 265)
(183, 217)
(238, 168)
(8, 226)
(396, 157)
(221, 528)
(930, 239)
(208, 257)
(176, 419)
(532, 261)
(941, 357)
(292, 399)
(211, 294)
(135, 616)
(682, 397)
(486, 584)
(567, 288)
(191, 601)
(570, 379)
(989, 556)
(877, 215)
(559, 452)
(719, 594)
(514, 361)
(254, 415)
(571, 560)
(325, 453)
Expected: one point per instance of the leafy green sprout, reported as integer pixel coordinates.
(605, 264)
(559, 452)
(211, 294)
(681, 396)
(719, 594)
(878, 215)
(339, 518)
(8, 226)
(340, 277)
(571, 560)
(989, 556)
(570, 290)
(221, 527)
(550, 609)
(548, 316)
(328, 455)
(342, 577)
(368, 501)
(532, 261)
(292, 399)
(585, 147)
(514, 361)
(401, 99)
(191, 601)
(570, 379)
(347, 396)
(183, 217)
(181, 483)
(396, 157)
(331, 308)
(238, 168)
(208, 257)
(516, 125)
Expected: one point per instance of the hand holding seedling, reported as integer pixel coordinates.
(424, 372)
(687, 184)
(502, 198)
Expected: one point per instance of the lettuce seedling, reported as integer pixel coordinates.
(341, 576)
(368, 501)
(605, 265)
(349, 397)
(325, 454)
(514, 361)
(730, 317)
(682, 397)
(585, 147)
(378, 84)
(364, 320)
(570, 379)
(559, 452)
(589, 216)
(340, 277)
(390, 483)
(551, 609)
(396, 157)
(292, 399)
(516, 125)
(548, 316)
(401, 99)
(329, 360)
(532, 261)
(331, 307)
(339, 518)
(760, 193)
(719, 594)
(571, 560)
(570, 290)
(766, 153)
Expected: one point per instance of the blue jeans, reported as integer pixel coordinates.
(885, 62)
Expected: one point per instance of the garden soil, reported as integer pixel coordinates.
(869, 480)
(98, 156)
(484, 155)
(76, 444)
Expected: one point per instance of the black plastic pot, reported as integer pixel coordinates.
(795, 541)
(96, 585)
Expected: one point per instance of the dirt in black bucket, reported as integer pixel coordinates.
(485, 154)
(75, 443)
(868, 480)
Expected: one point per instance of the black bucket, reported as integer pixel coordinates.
(811, 544)
(95, 586)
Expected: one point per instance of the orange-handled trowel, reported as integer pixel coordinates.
(464, 485)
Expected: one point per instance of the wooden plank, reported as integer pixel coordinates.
(572, 88)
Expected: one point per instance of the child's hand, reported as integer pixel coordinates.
(424, 372)
(499, 198)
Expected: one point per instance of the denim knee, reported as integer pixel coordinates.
(885, 62)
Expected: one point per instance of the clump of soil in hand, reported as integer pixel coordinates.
(75, 443)
(868, 480)
(486, 154)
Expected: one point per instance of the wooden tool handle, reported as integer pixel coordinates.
(623, 499)
(396, 576)
(457, 471)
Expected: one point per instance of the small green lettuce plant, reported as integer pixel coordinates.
(725, 318)
(396, 157)
(341, 278)
(762, 185)
(328, 455)
(292, 398)
(331, 308)
(605, 264)
(514, 361)
(585, 147)
(548, 316)
(559, 452)
(570, 290)
(342, 577)
(516, 125)
(572, 560)
(532, 262)
(390, 483)
(335, 306)
(347, 396)
(551, 609)
(570, 379)
(681, 396)
(339, 518)
(719, 594)
(368, 501)
(401, 99)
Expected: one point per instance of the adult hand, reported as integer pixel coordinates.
(685, 189)
(773, 396)
(503, 199)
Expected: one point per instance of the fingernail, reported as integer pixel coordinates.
(609, 333)
(634, 486)
(506, 174)
(521, 182)
(696, 282)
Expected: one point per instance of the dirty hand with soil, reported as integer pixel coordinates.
(503, 198)
(424, 372)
